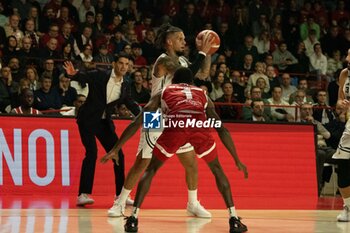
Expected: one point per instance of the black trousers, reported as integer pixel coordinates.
(104, 131)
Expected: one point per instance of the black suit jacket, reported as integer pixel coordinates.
(92, 110)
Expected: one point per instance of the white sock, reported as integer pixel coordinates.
(124, 195)
(135, 211)
(232, 211)
(347, 201)
(192, 196)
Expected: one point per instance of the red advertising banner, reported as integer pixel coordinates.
(43, 155)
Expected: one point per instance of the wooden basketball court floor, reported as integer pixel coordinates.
(91, 220)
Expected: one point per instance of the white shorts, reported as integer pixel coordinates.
(343, 150)
(149, 138)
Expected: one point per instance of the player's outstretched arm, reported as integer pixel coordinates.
(132, 128)
(226, 138)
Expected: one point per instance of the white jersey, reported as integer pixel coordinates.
(158, 84)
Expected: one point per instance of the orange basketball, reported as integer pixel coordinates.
(204, 33)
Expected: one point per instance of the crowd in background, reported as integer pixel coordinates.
(274, 55)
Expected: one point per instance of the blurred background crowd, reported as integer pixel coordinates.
(274, 55)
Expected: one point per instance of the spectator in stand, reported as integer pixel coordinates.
(53, 33)
(318, 61)
(309, 26)
(31, 31)
(276, 39)
(69, 38)
(337, 126)
(73, 110)
(291, 33)
(48, 18)
(239, 85)
(302, 86)
(67, 52)
(7, 89)
(119, 42)
(10, 49)
(341, 15)
(116, 24)
(34, 14)
(310, 42)
(225, 37)
(143, 27)
(149, 50)
(26, 105)
(130, 36)
(84, 39)
(345, 42)
(247, 65)
(283, 58)
(16, 97)
(90, 22)
(238, 26)
(132, 11)
(51, 70)
(99, 27)
(46, 98)
(16, 69)
(169, 10)
(138, 92)
(12, 29)
(67, 93)
(85, 7)
(217, 83)
(322, 112)
(261, 83)
(65, 18)
(221, 12)
(280, 110)
(261, 25)
(259, 72)
(324, 153)
(257, 108)
(256, 8)
(334, 63)
(103, 57)
(123, 112)
(101, 8)
(331, 41)
(333, 88)
(50, 50)
(32, 76)
(248, 48)
(86, 58)
(272, 76)
(136, 53)
(302, 67)
(228, 112)
(262, 43)
(189, 21)
(300, 96)
(255, 93)
(112, 9)
(287, 87)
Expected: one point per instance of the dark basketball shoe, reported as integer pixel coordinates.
(236, 226)
(131, 224)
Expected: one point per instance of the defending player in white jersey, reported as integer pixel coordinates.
(343, 152)
(172, 40)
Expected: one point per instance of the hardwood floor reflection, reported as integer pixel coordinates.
(169, 221)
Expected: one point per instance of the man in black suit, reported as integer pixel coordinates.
(106, 90)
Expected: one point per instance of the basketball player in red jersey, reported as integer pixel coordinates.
(179, 101)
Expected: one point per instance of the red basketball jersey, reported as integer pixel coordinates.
(182, 98)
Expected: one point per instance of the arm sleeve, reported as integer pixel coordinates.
(196, 65)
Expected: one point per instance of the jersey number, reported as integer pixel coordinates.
(187, 92)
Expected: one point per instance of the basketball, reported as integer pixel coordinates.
(202, 35)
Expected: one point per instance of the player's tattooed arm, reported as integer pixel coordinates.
(165, 65)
